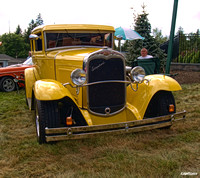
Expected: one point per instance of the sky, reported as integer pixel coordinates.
(105, 12)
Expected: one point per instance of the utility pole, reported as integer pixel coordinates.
(9, 25)
(171, 40)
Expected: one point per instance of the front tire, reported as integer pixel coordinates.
(159, 105)
(46, 115)
(7, 84)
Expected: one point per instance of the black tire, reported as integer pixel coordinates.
(46, 115)
(7, 84)
(26, 97)
(159, 105)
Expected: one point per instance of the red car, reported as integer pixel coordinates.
(12, 77)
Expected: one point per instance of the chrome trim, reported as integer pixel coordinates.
(33, 36)
(72, 47)
(98, 54)
(80, 132)
(106, 115)
(107, 110)
(128, 69)
(81, 72)
(93, 83)
(45, 41)
(107, 81)
(135, 71)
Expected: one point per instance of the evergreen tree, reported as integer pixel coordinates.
(18, 30)
(17, 44)
(143, 27)
(158, 36)
(27, 32)
(39, 20)
(31, 26)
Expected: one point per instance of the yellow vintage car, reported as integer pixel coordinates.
(80, 87)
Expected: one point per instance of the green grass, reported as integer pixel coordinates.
(156, 153)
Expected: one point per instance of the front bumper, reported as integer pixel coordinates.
(67, 133)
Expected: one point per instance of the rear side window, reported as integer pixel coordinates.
(38, 43)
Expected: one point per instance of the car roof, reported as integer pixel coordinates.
(71, 27)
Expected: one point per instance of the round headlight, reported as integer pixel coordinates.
(78, 77)
(137, 74)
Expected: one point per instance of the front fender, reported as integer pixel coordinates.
(29, 83)
(48, 89)
(162, 82)
(146, 90)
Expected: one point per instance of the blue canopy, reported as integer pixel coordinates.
(127, 34)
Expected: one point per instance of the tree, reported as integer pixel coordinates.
(13, 45)
(158, 36)
(17, 44)
(143, 27)
(27, 32)
(18, 30)
(180, 31)
(39, 20)
(31, 26)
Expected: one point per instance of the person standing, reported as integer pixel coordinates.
(144, 54)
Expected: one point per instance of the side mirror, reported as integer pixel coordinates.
(33, 36)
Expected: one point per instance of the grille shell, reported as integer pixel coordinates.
(109, 96)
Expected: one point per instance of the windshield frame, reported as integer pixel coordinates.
(78, 33)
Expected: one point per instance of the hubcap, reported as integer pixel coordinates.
(8, 85)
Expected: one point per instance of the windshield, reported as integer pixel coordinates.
(75, 39)
(28, 61)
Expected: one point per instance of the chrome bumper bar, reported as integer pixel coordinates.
(67, 133)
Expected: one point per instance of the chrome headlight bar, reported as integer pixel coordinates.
(135, 76)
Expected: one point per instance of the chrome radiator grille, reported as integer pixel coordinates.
(106, 98)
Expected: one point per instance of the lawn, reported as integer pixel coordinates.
(157, 153)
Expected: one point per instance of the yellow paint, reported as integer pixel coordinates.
(48, 89)
(146, 90)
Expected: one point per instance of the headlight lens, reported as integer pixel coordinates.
(78, 77)
(137, 74)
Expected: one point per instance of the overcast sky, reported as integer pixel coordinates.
(107, 12)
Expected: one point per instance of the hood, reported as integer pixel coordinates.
(72, 53)
(13, 68)
(17, 65)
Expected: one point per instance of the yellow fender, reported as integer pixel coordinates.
(29, 82)
(141, 98)
(49, 89)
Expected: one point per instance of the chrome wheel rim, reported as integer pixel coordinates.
(8, 84)
(37, 119)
